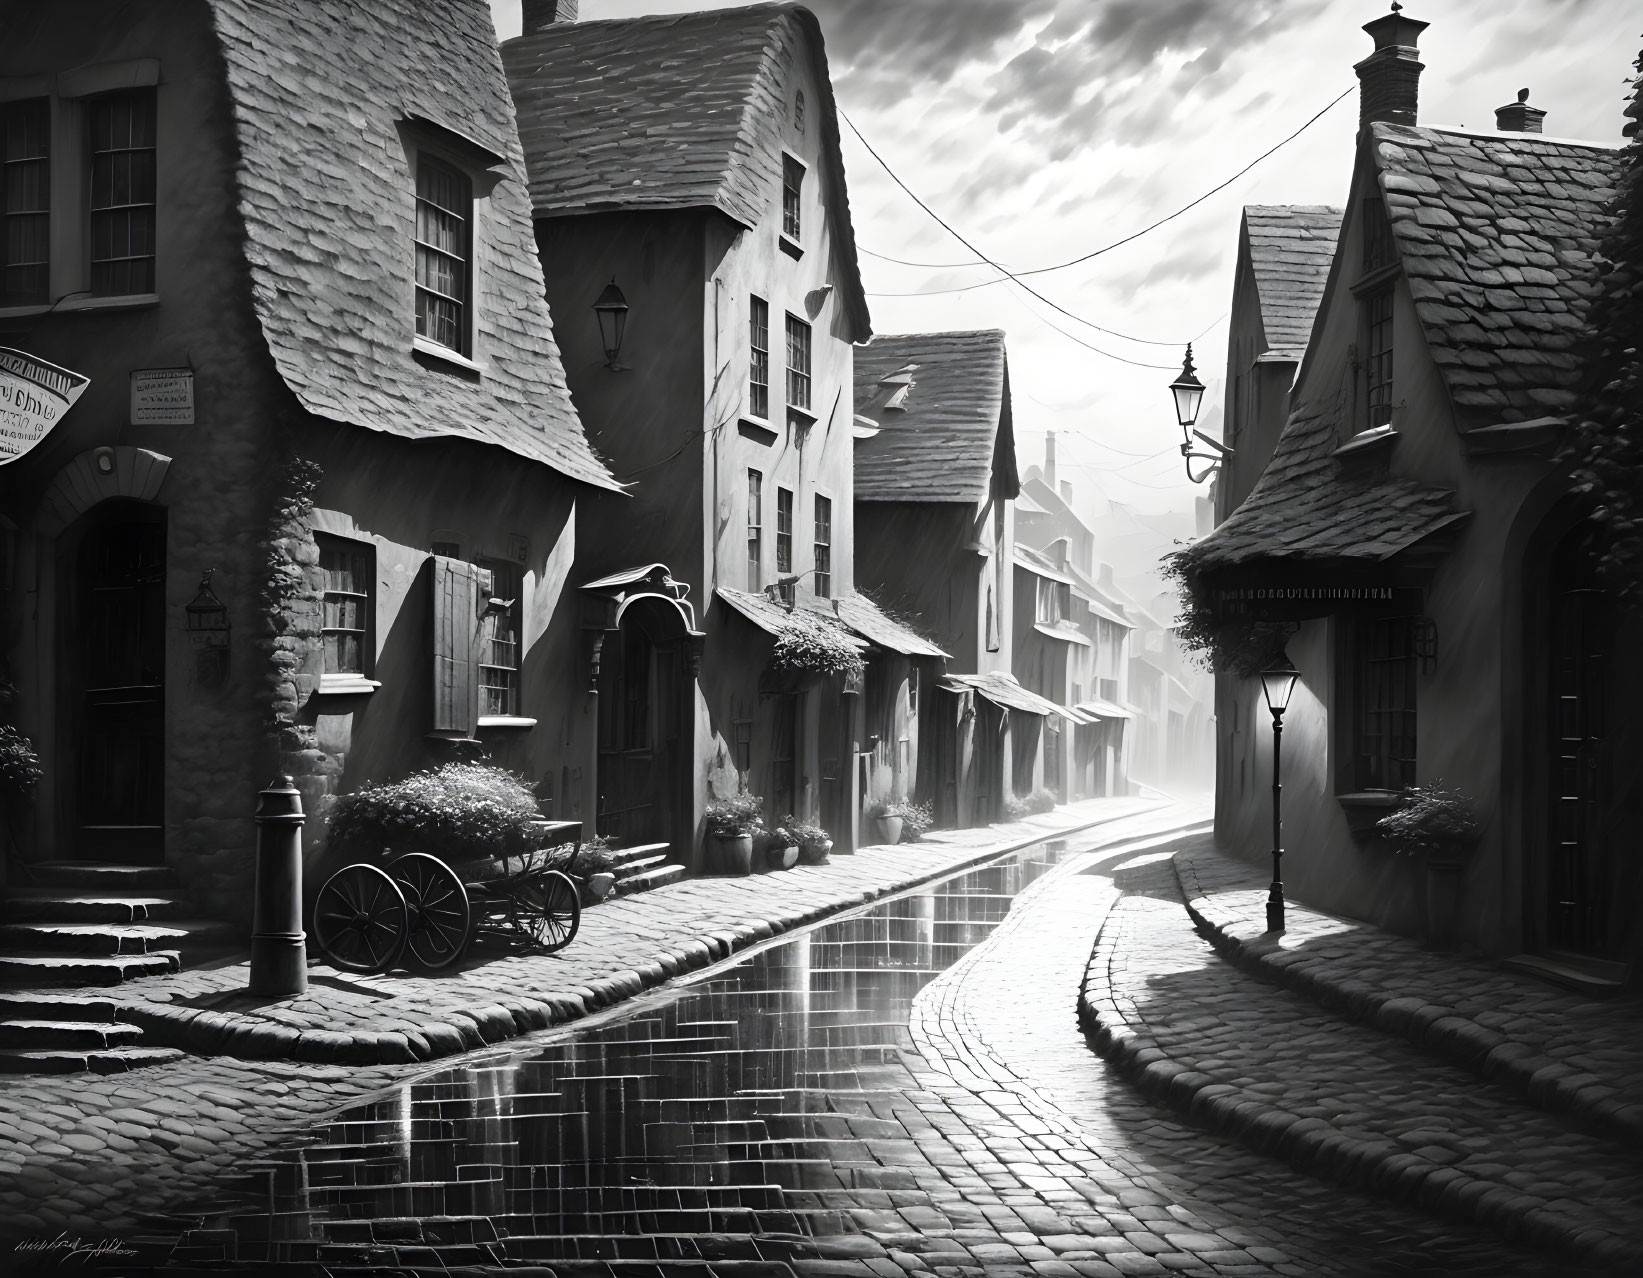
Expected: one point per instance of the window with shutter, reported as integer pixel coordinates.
(456, 630)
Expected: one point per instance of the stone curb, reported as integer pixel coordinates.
(1542, 1081)
(1312, 1146)
(209, 1033)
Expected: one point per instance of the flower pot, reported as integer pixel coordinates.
(729, 853)
(1444, 870)
(815, 853)
(599, 885)
(781, 856)
(885, 829)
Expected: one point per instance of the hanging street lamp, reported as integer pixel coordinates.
(1188, 392)
(1278, 681)
(612, 312)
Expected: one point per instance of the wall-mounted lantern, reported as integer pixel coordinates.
(612, 312)
(207, 616)
(1188, 393)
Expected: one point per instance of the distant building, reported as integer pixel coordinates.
(935, 482)
(1437, 568)
(314, 512)
(687, 168)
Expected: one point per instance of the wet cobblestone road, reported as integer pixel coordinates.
(902, 1091)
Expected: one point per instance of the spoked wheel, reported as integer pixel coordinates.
(360, 919)
(441, 918)
(548, 910)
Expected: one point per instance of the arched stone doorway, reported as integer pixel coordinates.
(647, 654)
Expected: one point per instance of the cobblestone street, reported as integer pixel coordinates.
(905, 1090)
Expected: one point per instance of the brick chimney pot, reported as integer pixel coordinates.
(1519, 116)
(1390, 76)
(539, 14)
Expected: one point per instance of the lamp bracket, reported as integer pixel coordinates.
(1223, 449)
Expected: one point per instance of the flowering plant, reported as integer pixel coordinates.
(809, 644)
(19, 765)
(1431, 818)
(916, 818)
(734, 817)
(803, 832)
(459, 811)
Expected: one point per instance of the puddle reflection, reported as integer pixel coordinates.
(704, 1128)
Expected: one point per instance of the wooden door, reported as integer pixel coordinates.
(118, 703)
(1577, 871)
(644, 727)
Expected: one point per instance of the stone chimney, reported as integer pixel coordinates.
(1519, 116)
(540, 14)
(1390, 76)
(1049, 459)
(1067, 491)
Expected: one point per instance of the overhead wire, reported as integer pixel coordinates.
(984, 260)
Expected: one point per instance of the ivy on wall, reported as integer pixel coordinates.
(1211, 640)
(290, 605)
(1605, 448)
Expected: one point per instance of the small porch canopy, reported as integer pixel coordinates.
(871, 622)
(776, 618)
(1099, 708)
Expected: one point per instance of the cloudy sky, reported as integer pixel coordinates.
(1043, 130)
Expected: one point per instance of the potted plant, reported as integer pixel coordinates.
(884, 821)
(776, 849)
(916, 818)
(731, 824)
(814, 842)
(1441, 826)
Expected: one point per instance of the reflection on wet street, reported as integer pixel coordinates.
(700, 1127)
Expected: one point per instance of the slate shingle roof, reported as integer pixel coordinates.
(1305, 508)
(1497, 233)
(674, 111)
(868, 620)
(1290, 249)
(941, 445)
(318, 94)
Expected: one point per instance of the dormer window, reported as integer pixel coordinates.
(444, 218)
(1378, 324)
(792, 188)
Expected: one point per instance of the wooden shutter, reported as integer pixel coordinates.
(456, 626)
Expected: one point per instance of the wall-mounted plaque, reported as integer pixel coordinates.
(162, 397)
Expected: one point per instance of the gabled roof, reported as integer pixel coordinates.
(1290, 249)
(1307, 507)
(1497, 234)
(677, 111)
(319, 94)
(955, 429)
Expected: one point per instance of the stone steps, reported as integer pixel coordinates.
(37, 1035)
(100, 875)
(33, 905)
(644, 881)
(27, 970)
(114, 1060)
(623, 858)
(187, 936)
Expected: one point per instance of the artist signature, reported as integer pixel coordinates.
(66, 1247)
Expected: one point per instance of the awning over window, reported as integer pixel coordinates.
(1002, 690)
(871, 622)
(1065, 635)
(1101, 709)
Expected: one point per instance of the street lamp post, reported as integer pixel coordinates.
(1278, 681)
(1188, 393)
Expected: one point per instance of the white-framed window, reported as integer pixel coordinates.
(123, 192)
(758, 364)
(444, 254)
(784, 540)
(792, 195)
(79, 188)
(25, 197)
(499, 647)
(755, 531)
(348, 610)
(823, 547)
(798, 365)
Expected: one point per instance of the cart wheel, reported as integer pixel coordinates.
(360, 919)
(441, 919)
(549, 910)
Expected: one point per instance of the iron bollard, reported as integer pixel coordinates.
(279, 951)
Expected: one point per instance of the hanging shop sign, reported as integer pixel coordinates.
(162, 397)
(34, 395)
